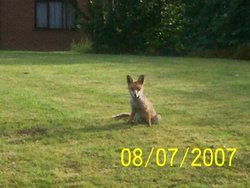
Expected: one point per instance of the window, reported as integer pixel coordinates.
(54, 14)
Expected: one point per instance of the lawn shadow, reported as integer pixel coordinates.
(45, 132)
(108, 127)
(69, 58)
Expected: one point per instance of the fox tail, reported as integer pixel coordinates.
(121, 115)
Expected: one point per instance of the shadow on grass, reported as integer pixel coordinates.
(69, 58)
(108, 127)
(43, 132)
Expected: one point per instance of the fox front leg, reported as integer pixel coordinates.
(149, 119)
(131, 118)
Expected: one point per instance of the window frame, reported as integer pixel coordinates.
(64, 16)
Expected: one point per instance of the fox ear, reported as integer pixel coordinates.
(141, 79)
(129, 79)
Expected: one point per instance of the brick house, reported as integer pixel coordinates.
(39, 24)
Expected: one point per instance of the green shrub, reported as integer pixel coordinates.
(84, 46)
(169, 27)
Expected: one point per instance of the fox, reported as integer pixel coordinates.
(142, 110)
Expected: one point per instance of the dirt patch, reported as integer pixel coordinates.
(33, 131)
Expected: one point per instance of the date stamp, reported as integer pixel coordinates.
(162, 157)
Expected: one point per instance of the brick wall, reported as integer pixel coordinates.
(17, 30)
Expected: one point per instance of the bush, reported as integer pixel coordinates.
(169, 27)
(84, 46)
(131, 26)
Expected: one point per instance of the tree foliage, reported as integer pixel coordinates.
(167, 26)
(217, 24)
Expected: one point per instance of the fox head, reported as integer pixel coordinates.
(135, 87)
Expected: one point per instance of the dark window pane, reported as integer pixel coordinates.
(41, 15)
(55, 13)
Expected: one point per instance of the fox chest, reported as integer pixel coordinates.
(137, 106)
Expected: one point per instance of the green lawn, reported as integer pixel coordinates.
(56, 128)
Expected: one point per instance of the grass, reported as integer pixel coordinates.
(56, 128)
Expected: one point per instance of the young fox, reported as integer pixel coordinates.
(142, 110)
